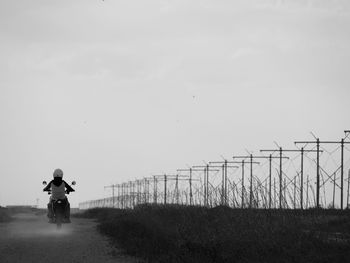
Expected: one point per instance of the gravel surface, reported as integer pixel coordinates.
(29, 238)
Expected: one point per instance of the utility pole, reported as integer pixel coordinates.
(206, 169)
(243, 162)
(177, 179)
(190, 179)
(138, 191)
(142, 190)
(224, 181)
(242, 194)
(132, 191)
(281, 157)
(270, 157)
(126, 185)
(274, 192)
(223, 167)
(347, 197)
(318, 143)
(294, 193)
(147, 189)
(301, 151)
(165, 189)
(347, 133)
(155, 189)
(251, 162)
(122, 195)
(284, 192)
(334, 191)
(166, 178)
(177, 189)
(307, 192)
(111, 186)
(126, 199)
(118, 195)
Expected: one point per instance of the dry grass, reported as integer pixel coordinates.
(196, 234)
(4, 215)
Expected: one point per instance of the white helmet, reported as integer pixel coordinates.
(58, 173)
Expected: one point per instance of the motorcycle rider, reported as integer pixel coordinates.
(58, 188)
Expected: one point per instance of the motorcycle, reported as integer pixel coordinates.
(58, 208)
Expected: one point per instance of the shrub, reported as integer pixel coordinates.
(195, 234)
(4, 215)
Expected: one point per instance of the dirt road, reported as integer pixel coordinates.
(29, 238)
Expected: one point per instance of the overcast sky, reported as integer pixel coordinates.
(113, 90)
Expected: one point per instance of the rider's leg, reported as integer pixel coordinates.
(67, 212)
(49, 211)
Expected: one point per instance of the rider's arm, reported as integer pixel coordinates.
(69, 188)
(48, 187)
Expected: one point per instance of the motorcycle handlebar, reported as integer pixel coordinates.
(67, 192)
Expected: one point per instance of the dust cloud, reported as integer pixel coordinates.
(30, 238)
(32, 226)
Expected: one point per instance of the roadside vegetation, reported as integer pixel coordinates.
(7, 214)
(221, 234)
(4, 215)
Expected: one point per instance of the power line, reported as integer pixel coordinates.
(318, 142)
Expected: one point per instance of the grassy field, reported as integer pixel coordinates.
(5, 215)
(196, 234)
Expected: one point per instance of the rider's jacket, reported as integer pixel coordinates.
(57, 188)
(58, 192)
